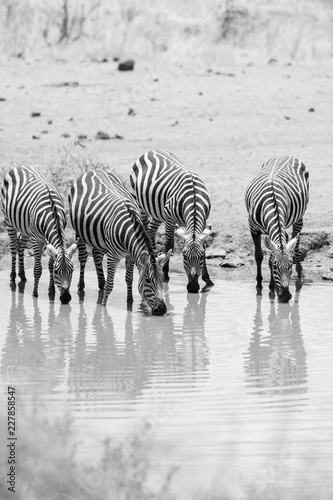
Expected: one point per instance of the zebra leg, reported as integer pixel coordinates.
(38, 250)
(205, 275)
(51, 290)
(22, 243)
(169, 245)
(271, 282)
(12, 233)
(111, 270)
(83, 256)
(129, 278)
(297, 227)
(256, 237)
(98, 259)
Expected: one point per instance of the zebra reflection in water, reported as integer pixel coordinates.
(275, 362)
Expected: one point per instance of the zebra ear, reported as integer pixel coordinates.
(72, 249)
(161, 259)
(181, 233)
(51, 251)
(143, 259)
(205, 233)
(269, 244)
(292, 243)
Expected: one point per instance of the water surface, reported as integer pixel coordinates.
(237, 389)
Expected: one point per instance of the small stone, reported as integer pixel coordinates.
(311, 110)
(45, 131)
(2, 99)
(102, 135)
(327, 276)
(65, 135)
(131, 112)
(34, 114)
(126, 65)
(49, 122)
(232, 263)
(35, 137)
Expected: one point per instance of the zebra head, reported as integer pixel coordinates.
(62, 269)
(150, 281)
(280, 263)
(193, 255)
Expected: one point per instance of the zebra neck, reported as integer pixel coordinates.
(51, 233)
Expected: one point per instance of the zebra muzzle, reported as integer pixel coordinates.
(65, 296)
(285, 295)
(159, 310)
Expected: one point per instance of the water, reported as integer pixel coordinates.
(237, 389)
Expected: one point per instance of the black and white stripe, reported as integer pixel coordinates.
(168, 192)
(106, 217)
(277, 199)
(34, 208)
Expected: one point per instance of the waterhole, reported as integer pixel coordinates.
(236, 389)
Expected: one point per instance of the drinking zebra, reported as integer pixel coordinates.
(106, 217)
(34, 208)
(167, 191)
(276, 199)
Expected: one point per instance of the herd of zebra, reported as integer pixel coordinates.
(111, 220)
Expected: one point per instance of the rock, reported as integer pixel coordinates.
(330, 253)
(35, 137)
(219, 253)
(34, 114)
(65, 135)
(2, 99)
(273, 61)
(45, 131)
(327, 276)
(126, 65)
(311, 110)
(102, 135)
(131, 112)
(49, 122)
(232, 262)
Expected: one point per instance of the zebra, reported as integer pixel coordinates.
(275, 200)
(34, 210)
(106, 217)
(167, 191)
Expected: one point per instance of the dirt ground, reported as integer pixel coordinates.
(223, 122)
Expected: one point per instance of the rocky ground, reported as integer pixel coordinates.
(224, 122)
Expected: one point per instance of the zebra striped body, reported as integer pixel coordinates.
(34, 208)
(275, 200)
(106, 217)
(168, 192)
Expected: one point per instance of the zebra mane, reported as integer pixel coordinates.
(56, 220)
(276, 206)
(139, 227)
(194, 206)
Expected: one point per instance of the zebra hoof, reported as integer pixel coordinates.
(12, 285)
(81, 294)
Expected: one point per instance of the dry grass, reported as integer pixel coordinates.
(224, 30)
